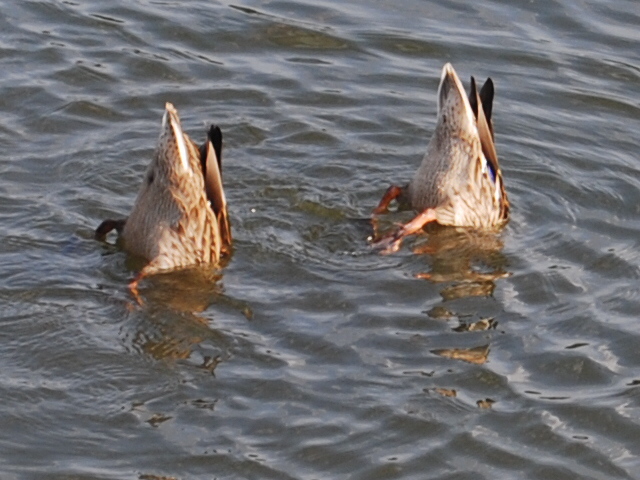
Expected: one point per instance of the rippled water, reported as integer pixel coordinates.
(462, 356)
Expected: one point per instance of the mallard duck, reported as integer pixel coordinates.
(179, 218)
(459, 182)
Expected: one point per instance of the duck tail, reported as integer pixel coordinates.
(211, 155)
(483, 122)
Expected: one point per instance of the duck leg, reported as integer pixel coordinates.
(133, 287)
(150, 269)
(105, 227)
(392, 193)
(391, 243)
(157, 265)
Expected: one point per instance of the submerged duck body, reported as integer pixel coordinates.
(459, 182)
(180, 217)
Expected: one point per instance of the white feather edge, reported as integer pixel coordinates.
(171, 115)
(448, 69)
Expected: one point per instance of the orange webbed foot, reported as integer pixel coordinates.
(133, 288)
(391, 243)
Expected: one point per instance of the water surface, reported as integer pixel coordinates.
(308, 356)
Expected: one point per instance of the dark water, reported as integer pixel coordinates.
(309, 357)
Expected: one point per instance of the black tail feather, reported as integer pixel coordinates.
(486, 97)
(214, 135)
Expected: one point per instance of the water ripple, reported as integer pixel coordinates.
(309, 355)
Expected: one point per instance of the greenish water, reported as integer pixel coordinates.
(312, 357)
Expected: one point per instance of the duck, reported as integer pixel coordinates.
(459, 182)
(179, 218)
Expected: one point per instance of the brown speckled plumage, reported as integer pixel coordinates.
(459, 181)
(179, 218)
(456, 177)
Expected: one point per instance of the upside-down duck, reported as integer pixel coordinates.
(459, 182)
(180, 217)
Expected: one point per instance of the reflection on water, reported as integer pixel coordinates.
(463, 256)
(486, 403)
(174, 338)
(170, 326)
(479, 326)
(469, 262)
(477, 355)
(463, 355)
(188, 290)
(446, 392)
(466, 263)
